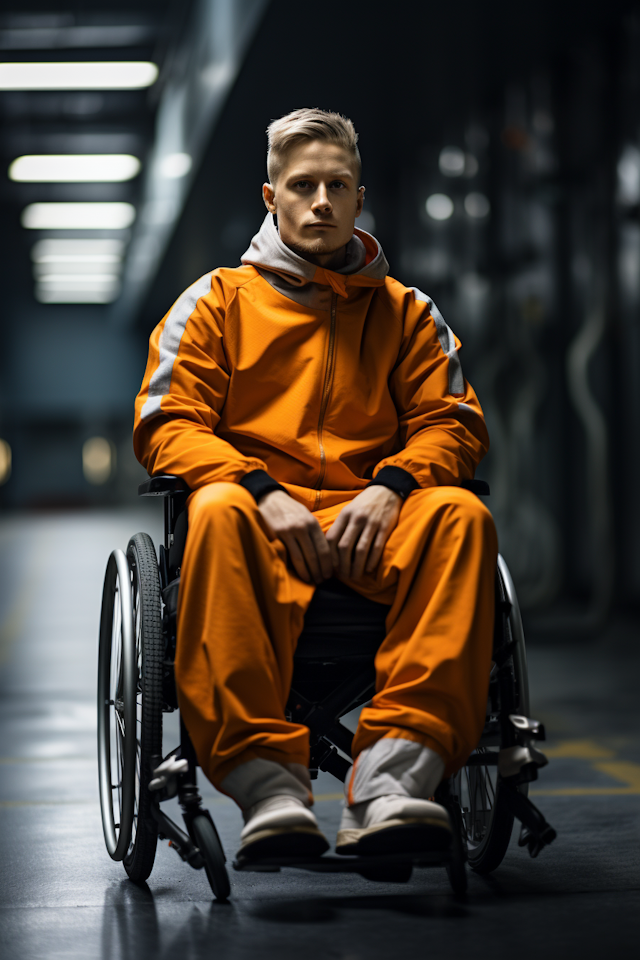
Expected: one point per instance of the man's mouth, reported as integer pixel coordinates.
(321, 223)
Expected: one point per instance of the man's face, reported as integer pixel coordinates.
(316, 199)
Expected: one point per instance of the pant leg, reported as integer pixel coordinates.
(438, 571)
(239, 617)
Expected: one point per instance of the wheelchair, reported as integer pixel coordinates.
(333, 675)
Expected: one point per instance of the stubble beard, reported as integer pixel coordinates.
(314, 248)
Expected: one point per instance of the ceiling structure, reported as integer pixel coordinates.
(80, 116)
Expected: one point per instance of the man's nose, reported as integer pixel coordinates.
(321, 201)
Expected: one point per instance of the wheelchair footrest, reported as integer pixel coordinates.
(536, 832)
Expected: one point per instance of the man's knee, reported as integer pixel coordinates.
(458, 505)
(218, 501)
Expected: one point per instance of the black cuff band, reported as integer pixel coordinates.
(396, 479)
(258, 482)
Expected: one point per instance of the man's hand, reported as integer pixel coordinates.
(301, 534)
(358, 536)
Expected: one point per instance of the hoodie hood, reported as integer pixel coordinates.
(288, 272)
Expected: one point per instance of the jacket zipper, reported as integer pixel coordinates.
(326, 389)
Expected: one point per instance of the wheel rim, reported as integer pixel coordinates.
(117, 707)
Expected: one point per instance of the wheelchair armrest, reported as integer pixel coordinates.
(164, 485)
(479, 487)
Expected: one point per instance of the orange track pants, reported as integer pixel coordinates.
(241, 611)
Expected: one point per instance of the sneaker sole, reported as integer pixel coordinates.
(417, 835)
(298, 842)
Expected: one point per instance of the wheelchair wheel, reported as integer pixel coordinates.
(206, 837)
(486, 820)
(117, 707)
(149, 652)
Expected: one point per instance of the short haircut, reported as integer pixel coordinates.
(309, 123)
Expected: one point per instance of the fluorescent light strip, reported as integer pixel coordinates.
(66, 268)
(93, 75)
(61, 250)
(78, 216)
(74, 168)
(89, 258)
(49, 295)
(83, 280)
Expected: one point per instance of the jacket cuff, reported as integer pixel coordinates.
(396, 479)
(258, 482)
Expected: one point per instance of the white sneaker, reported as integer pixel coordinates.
(280, 826)
(394, 824)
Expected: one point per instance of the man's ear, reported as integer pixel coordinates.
(269, 197)
(359, 201)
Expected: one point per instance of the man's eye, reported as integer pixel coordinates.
(337, 183)
(302, 183)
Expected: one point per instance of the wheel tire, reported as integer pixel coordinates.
(206, 838)
(487, 821)
(117, 707)
(147, 617)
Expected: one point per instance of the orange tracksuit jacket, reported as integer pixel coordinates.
(319, 380)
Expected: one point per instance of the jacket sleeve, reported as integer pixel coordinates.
(441, 424)
(184, 390)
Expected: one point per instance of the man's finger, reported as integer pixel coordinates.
(346, 545)
(308, 548)
(322, 551)
(296, 557)
(333, 536)
(361, 551)
(376, 551)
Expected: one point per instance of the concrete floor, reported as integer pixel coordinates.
(62, 897)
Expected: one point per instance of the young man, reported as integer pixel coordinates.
(318, 411)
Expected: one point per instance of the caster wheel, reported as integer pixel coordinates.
(206, 837)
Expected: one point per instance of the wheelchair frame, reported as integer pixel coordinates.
(136, 685)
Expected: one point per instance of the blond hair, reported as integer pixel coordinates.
(309, 123)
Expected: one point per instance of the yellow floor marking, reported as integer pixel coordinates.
(624, 771)
(578, 750)
(329, 796)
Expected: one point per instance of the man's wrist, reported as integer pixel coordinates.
(396, 479)
(259, 483)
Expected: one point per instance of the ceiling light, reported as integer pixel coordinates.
(451, 162)
(439, 206)
(78, 281)
(95, 168)
(95, 295)
(77, 266)
(175, 165)
(86, 251)
(477, 205)
(94, 75)
(78, 216)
